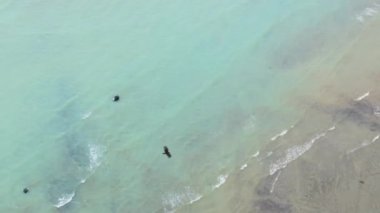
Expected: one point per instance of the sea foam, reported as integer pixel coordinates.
(282, 133)
(171, 201)
(95, 153)
(364, 144)
(256, 154)
(64, 199)
(292, 154)
(362, 96)
(332, 128)
(221, 180)
(243, 166)
(274, 182)
(368, 12)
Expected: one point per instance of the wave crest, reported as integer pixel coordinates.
(64, 199)
(172, 201)
(221, 180)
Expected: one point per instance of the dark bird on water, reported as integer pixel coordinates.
(116, 98)
(166, 152)
(26, 190)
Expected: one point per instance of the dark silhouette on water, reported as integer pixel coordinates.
(26, 190)
(166, 152)
(116, 98)
(361, 181)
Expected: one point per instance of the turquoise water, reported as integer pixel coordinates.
(202, 77)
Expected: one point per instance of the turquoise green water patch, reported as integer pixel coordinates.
(203, 78)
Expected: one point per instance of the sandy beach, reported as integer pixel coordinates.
(329, 160)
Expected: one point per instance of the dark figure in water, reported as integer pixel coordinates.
(116, 98)
(26, 190)
(166, 152)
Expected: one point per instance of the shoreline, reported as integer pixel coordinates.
(320, 176)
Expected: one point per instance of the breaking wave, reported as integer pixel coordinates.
(243, 166)
(364, 144)
(64, 199)
(221, 180)
(172, 201)
(292, 154)
(362, 96)
(368, 12)
(256, 154)
(274, 182)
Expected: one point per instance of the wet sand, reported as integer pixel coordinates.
(329, 160)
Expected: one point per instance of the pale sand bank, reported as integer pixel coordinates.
(329, 161)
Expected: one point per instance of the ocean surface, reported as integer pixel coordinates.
(213, 80)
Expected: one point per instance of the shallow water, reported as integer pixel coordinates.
(209, 79)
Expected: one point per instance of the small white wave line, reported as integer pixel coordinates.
(332, 128)
(64, 199)
(368, 12)
(362, 96)
(282, 133)
(256, 154)
(364, 144)
(292, 154)
(243, 166)
(172, 200)
(221, 180)
(274, 182)
(195, 199)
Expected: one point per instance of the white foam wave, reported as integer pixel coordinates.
(375, 138)
(172, 201)
(64, 199)
(282, 133)
(256, 154)
(274, 182)
(195, 199)
(332, 128)
(95, 155)
(243, 166)
(364, 144)
(362, 96)
(292, 154)
(221, 180)
(268, 154)
(368, 12)
(86, 115)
